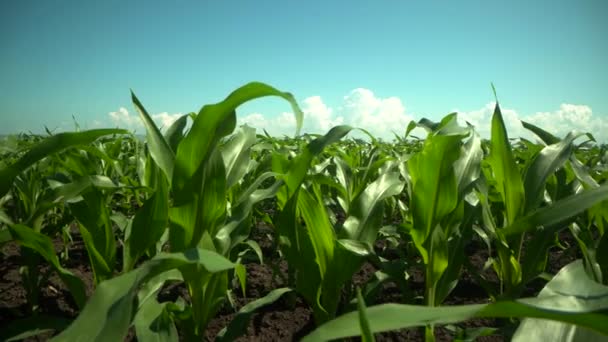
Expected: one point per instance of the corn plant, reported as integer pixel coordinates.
(521, 199)
(570, 305)
(191, 174)
(36, 200)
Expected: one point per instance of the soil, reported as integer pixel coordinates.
(279, 321)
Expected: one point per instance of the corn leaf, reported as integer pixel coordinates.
(434, 192)
(216, 121)
(506, 174)
(237, 153)
(554, 216)
(549, 159)
(572, 280)
(149, 224)
(160, 150)
(43, 245)
(110, 310)
(366, 333)
(46, 147)
(238, 325)
(153, 323)
(584, 305)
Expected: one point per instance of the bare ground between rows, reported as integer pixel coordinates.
(276, 322)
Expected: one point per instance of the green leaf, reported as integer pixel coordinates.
(366, 333)
(584, 305)
(160, 150)
(572, 280)
(149, 224)
(320, 230)
(110, 310)
(241, 274)
(547, 137)
(175, 132)
(96, 229)
(367, 209)
(236, 153)
(467, 167)
(238, 326)
(434, 188)
(238, 228)
(46, 147)
(506, 174)
(43, 245)
(301, 164)
(153, 323)
(553, 216)
(199, 208)
(216, 121)
(545, 164)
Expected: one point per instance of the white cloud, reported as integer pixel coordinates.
(560, 122)
(122, 118)
(164, 120)
(317, 116)
(360, 108)
(284, 124)
(380, 116)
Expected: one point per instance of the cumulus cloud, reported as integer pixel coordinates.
(122, 118)
(380, 116)
(559, 122)
(383, 115)
(360, 108)
(318, 116)
(284, 124)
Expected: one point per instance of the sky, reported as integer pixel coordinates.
(372, 64)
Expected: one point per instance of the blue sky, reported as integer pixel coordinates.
(374, 63)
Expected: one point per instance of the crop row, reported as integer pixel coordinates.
(180, 206)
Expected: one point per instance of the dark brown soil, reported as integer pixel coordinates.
(277, 322)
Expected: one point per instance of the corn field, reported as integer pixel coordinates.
(210, 231)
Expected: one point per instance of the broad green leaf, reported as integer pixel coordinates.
(318, 226)
(575, 306)
(149, 224)
(506, 174)
(299, 167)
(96, 229)
(572, 280)
(152, 322)
(110, 310)
(544, 164)
(547, 137)
(367, 209)
(43, 245)
(434, 188)
(554, 215)
(47, 147)
(467, 167)
(238, 325)
(160, 150)
(200, 208)
(366, 333)
(236, 154)
(216, 121)
(175, 132)
(238, 227)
